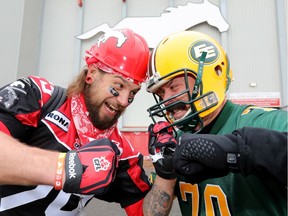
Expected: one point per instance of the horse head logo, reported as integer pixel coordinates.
(154, 29)
(121, 38)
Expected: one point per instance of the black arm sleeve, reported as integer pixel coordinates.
(263, 152)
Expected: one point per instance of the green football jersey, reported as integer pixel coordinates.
(236, 194)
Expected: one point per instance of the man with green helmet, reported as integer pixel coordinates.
(228, 159)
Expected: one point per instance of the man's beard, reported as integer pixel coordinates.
(94, 117)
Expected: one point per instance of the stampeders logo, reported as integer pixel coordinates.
(154, 29)
(101, 164)
(121, 38)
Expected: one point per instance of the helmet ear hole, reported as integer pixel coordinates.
(218, 70)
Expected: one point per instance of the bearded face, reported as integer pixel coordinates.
(106, 96)
(95, 107)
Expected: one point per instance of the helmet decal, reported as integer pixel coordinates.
(197, 48)
(121, 38)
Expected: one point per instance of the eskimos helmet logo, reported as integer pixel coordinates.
(197, 48)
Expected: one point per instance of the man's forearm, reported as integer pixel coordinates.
(160, 198)
(25, 165)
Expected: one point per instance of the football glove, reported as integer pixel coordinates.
(91, 169)
(202, 156)
(161, 148)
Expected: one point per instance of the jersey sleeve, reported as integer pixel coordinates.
(21, 102)
(269, 118)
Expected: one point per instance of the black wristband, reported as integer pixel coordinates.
(165, 174)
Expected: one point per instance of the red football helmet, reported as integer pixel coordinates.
(121, 51)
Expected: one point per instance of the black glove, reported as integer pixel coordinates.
(161, 148)
(91, 169)
(202, 156)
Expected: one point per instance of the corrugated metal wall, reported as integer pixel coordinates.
(253, 46)
(38, 37)
(11, 14)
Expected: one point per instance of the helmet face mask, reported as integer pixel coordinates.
(179, 54)
(191, 120)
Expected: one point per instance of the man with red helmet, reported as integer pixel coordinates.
(95, 159)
